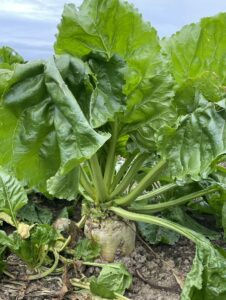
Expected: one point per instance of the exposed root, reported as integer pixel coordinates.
(112, 235)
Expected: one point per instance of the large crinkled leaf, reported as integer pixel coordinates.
(197, 59)
(76, 138)
(115, 27)
(12, 196)
(29, 143)
(42, 127)
(198, 48)
(206, 280)
(105, 27)
(150, 102)
(198, 139)
(197, 55)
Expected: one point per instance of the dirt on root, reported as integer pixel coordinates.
(158, 274)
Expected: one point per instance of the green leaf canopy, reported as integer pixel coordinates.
(111, 67)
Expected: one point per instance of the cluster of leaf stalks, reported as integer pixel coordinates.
(114, 90)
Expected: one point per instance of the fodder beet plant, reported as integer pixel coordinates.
(113, 113)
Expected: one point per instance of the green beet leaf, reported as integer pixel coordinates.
(196, 142)
(113, 278)
(41, 240)
(12, 196)
(96, 83)
(64, 186)
(197, 55)
(206, 280)
(101, 290)
(87, 250)
(155, 234)
(77, 139)
(34, 249)
(197, 138)
(107, 97)
(5, 240)
(32, 213)
(28, 139)
(43, 124)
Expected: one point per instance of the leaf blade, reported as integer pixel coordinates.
(12, 195)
